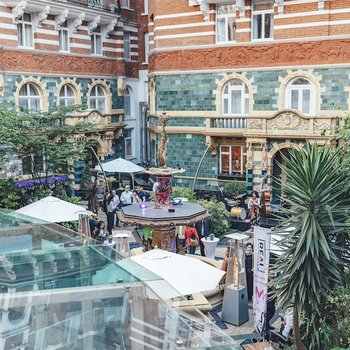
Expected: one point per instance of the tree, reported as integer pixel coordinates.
(314, 251)
(43, 141)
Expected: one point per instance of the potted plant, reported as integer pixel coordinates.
(211, 236)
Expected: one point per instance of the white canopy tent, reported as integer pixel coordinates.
(52, 209)
(182, 275)
(120, 165)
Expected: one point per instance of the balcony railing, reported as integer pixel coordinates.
(228, 123)
(114, 6)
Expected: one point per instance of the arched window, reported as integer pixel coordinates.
(300, 95)
(235, 98)
(29, 98)
(127, 103)
(98, 98)
(67, 96)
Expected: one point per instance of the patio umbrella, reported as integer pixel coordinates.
(183, 275)
(52, 209)
(120, 165)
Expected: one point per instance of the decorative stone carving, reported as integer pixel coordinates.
(213, 146)
(288, 120)
(60, 19)
(110, 27)
(93, 24)
(94, 117)
(204, 7)
(41, 16)
(17, 12)
(322, 125)
(121, 86)
(240, 4)
(255, 124)
(279, 3)
(77, 22)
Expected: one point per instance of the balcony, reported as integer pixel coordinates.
(107, 5)
(228, 123)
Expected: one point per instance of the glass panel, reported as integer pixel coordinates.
(257, 26)
(294, 99)
(27, 17)
(98, 45)
(128, 147)
(20, 34)
(226, 89)
(301, 81)
(23, 103)
(236, 100)
(261, 6)
(225, 105)
(236, 159)
(28, 35)
(306, 101)
(231, 29)
(220, 29)
(23, 90)
(127, 105)
(225, 163)
(235, 82)
(268, 25)
(32, 90)
(69, 91)
(246, 105)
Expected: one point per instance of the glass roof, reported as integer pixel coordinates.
(60, 292)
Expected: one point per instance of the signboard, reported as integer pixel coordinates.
(262, 238)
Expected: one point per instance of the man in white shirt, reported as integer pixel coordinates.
(127, 197)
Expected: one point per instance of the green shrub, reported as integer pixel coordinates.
(9, 195)
(184, 192)
(235, 188)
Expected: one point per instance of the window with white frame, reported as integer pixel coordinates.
(67, 96)
(63, 37)
(125, 4)
(98, 98)
(29, 98)
(232, 159)
(128, 143)
(225, 23)
(262, 19)
(127, 45)
(25, 31)
(127, 103)
(235, 98)
(300, 95)
(96, 42)
(146, 47)
(145, 7)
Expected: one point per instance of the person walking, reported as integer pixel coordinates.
(192, 239)
(112, 206)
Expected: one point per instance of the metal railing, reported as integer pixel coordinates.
(94, 4)
(228, 123)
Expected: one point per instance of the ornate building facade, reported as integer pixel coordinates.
(244, 81)
(82, 52)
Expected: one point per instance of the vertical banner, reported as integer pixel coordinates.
(262, 238)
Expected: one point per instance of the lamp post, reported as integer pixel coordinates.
(235, 303)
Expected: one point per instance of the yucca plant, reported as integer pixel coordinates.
(315, 241)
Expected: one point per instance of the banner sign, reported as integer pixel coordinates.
(262, 238)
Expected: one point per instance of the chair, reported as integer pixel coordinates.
(279, 338)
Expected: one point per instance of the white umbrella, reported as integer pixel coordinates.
(120, 165)
(183, 275)
(52, 209)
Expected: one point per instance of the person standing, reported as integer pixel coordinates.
(220, 195)
(112, 206)
(249, 266)
(192, 239)
(254, 208)
(203, 228)
(127, 197)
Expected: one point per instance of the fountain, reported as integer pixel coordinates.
(163, 215)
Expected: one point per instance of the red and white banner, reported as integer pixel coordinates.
(262, 238)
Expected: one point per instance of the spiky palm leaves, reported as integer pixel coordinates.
(316, 246)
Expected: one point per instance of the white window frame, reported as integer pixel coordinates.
(66, 99)
(145, 7)
(95, 98)
(300, 88)
(244, 103)
(29, 98)
(127, 48)
(125, 4)
(128, 139)
(146, 40)
(96, 49)
(63, 33)
(263, 14)
(229, 154)
(226, 17)
(22, 26)
(127, 103)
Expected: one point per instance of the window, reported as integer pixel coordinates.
(98, 99)
(300, 96)
(127, 45)
(145, 7)
(225, 23)
(125, 3)
(128, 143)
(96, 43)
(232, 159)
(67, 97)
(25, 31)
(262, 20)
(127, 105)
(146, 47)
(235, 98)
(29, 98)
(64, 37)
